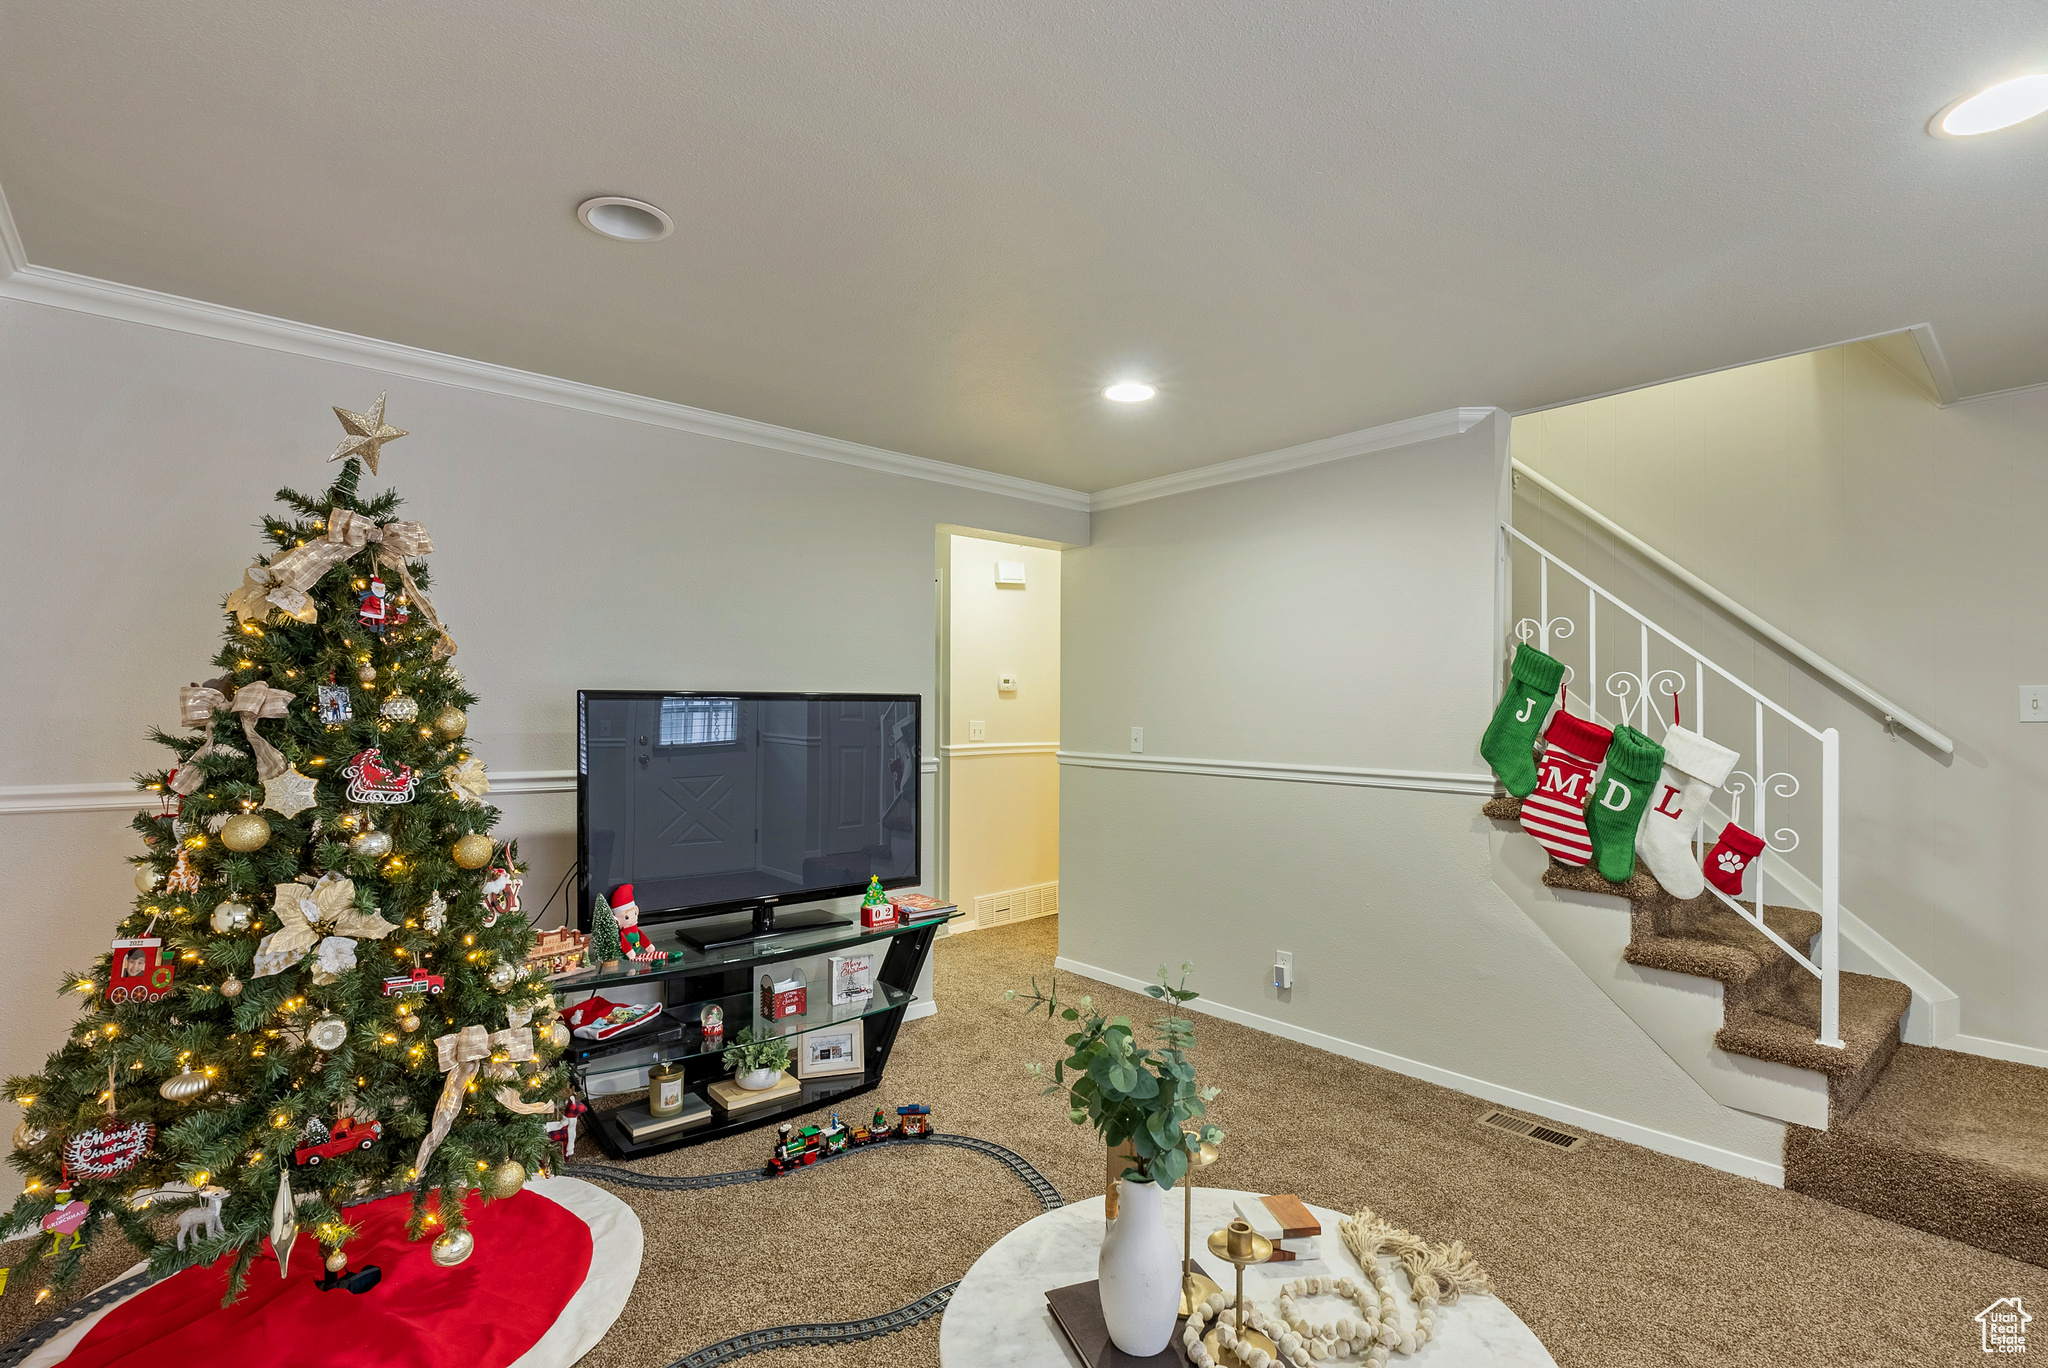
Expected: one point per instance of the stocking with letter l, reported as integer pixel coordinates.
(1693, 768)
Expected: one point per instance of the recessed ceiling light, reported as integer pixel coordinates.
(628, 220)
(2002, 106)
(1129, 392)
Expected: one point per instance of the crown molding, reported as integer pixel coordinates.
(1408, 431)
(151, 308)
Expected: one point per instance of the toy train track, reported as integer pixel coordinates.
(1048, 1196)
(819, 1334)
(43, 1331)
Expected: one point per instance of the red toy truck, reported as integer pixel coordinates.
(348, 1134)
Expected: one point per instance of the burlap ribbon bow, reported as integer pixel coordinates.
(197, 703)
(284, 582)
(322, 916)
(463, 1052)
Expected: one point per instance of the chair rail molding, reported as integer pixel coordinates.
(1426, 781)
(972, 748)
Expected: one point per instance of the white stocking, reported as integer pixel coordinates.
(1693, 768)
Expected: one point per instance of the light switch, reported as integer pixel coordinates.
(2034, 702)
(1006, 683)
(977, 731)
(1138, 740)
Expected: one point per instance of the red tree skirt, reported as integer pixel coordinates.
(532, 1256)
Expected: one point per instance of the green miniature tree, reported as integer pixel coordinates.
(604, 932)
(323, 839)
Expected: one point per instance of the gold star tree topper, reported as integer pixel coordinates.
(367, 434)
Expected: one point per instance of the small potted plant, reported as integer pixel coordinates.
(756, 1064)
(1146, 1095)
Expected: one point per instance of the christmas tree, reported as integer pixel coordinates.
(604, 932)
(310, 1002)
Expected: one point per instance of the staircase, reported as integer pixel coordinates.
(1738, 993)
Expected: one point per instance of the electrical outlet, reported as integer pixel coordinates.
(2034, 702)
(1283, 970)
(1137, 740)
(977, 731)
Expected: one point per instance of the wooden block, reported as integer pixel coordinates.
(1296, 1221)
(729, 1097)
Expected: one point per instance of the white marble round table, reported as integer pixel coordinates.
(998, 1317)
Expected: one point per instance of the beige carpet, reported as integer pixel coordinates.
(1616, 1257)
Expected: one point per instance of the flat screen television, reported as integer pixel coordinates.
(719, 807)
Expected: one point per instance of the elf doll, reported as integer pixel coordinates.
(633, 942)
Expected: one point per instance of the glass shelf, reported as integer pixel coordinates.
(685, 1040)
(684, 960)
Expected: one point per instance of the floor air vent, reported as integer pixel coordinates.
(1542, 1132)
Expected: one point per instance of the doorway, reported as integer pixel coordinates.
(998, 726)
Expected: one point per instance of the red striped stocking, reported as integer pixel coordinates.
(1555, 814)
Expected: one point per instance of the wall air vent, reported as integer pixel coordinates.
(1542, 1132)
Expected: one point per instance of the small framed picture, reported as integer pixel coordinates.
(334, 705)
(831, 1051)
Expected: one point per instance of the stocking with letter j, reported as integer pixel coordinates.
(1510, 741)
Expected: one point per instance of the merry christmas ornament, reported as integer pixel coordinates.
(108, 1151)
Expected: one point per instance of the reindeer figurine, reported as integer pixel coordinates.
(206, 1214)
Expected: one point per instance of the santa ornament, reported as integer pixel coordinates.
(377, 610)
(501, 891)
(1555, 812)
(633, 942)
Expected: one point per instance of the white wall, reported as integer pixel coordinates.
(572, 549)
(1003, 790)
(1829, 494)
(1337, 623)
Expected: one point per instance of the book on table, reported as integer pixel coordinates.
(1077, 1311)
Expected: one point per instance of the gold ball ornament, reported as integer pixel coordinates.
(450, 723)
(558, 1034)
(231, 988)
(371, 845)
(148, 878)
(245, 831)
(454, 1247)
(337, 1261)
(231, 917)
(507, 1178)
(328, 1033)
(408, 1023)
(367, 673)
(184, 1087)
(27, 1136)
(473, 851)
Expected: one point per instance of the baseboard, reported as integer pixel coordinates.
(1997, 1049)
(1677, 1146)
(920, 1009)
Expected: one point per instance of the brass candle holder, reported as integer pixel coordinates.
(1196, 1286)
(1242, 1247)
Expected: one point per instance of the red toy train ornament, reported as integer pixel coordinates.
(141, 972)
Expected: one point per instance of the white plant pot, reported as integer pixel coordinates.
(1139, 1269)
(758, 1080)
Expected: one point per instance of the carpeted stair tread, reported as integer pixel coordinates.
(1944, 1142)
(1641, 886)
(1871, 1011)
(1722, 944)
(1503, 809)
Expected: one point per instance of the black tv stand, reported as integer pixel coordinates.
(717, 933)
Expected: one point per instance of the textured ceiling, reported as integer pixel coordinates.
(942, 227)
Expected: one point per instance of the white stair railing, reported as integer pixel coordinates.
(1645, 675)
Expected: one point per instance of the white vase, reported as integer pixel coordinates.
(1139, 1269)
(758, 1080)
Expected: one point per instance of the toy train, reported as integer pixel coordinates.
(796, 1147)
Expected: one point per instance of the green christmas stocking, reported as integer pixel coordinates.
(1619, 799)
(1510, 741)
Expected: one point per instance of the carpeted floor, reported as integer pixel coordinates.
(1616, 1257)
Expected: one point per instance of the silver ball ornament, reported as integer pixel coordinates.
(401, 707)
(148, 878)
(230, 917)
(328, 1033)
(184, 1087)
(371, 845)
(503, 975)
